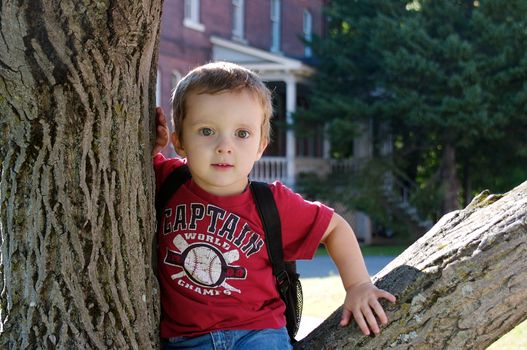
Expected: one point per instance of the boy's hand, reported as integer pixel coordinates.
(162, 132)
(362, 302)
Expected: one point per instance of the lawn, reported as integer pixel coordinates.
(394, 250)
(322, 296)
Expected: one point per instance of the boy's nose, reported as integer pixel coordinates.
(224, 146)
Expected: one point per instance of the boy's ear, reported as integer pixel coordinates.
(178, 145)
(263, 146)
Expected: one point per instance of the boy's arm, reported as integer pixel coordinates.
(361, 295)
(162, 132)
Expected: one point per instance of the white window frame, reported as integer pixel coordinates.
(158, 88)
(275, 25)
(238, 19)
(308, 31)
(192, 11)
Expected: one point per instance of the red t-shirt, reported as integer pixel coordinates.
(213, 266)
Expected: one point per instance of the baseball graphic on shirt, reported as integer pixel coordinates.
(204, 264)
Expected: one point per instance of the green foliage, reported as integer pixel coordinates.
(438, 74)
(361, 191)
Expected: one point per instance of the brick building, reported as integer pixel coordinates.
(265, 36)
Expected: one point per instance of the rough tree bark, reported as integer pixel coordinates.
(77, 86)
(461, 286)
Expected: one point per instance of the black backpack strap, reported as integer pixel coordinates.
(265, 203)
(172, 182)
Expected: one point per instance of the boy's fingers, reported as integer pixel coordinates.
(345, 318)
(379, 311)
(160, 116)
(161, 130)
(359, 318)
(384, 294)
(370, 318)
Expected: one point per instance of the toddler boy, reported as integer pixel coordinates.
(217, 285)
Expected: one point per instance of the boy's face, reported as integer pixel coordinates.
(221, 140)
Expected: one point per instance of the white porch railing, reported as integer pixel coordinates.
(269, 169)
(345, 166)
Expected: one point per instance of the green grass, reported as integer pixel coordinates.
(375, 250)
(368, 250)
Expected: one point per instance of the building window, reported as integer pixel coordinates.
(238, 17)
(192, 15)
(275, 25)
(308, 32)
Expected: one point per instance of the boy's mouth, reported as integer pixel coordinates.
(222, 165)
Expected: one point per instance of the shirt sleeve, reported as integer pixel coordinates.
(303, 222)
(164, 166)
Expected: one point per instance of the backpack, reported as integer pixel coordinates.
(287, 279)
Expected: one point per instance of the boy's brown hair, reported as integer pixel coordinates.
(218, 77)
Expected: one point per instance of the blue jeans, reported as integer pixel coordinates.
(264, 339)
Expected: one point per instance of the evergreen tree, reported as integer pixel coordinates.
(447, 77)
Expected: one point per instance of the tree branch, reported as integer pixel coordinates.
(461, 286)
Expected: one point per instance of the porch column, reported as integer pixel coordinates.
(290, 108)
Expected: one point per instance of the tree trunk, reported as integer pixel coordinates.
(467, 182)
(449, 179)
(77, 84)
(460, 286)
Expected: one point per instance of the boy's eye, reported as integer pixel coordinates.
(243, 134)
(206, 131)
